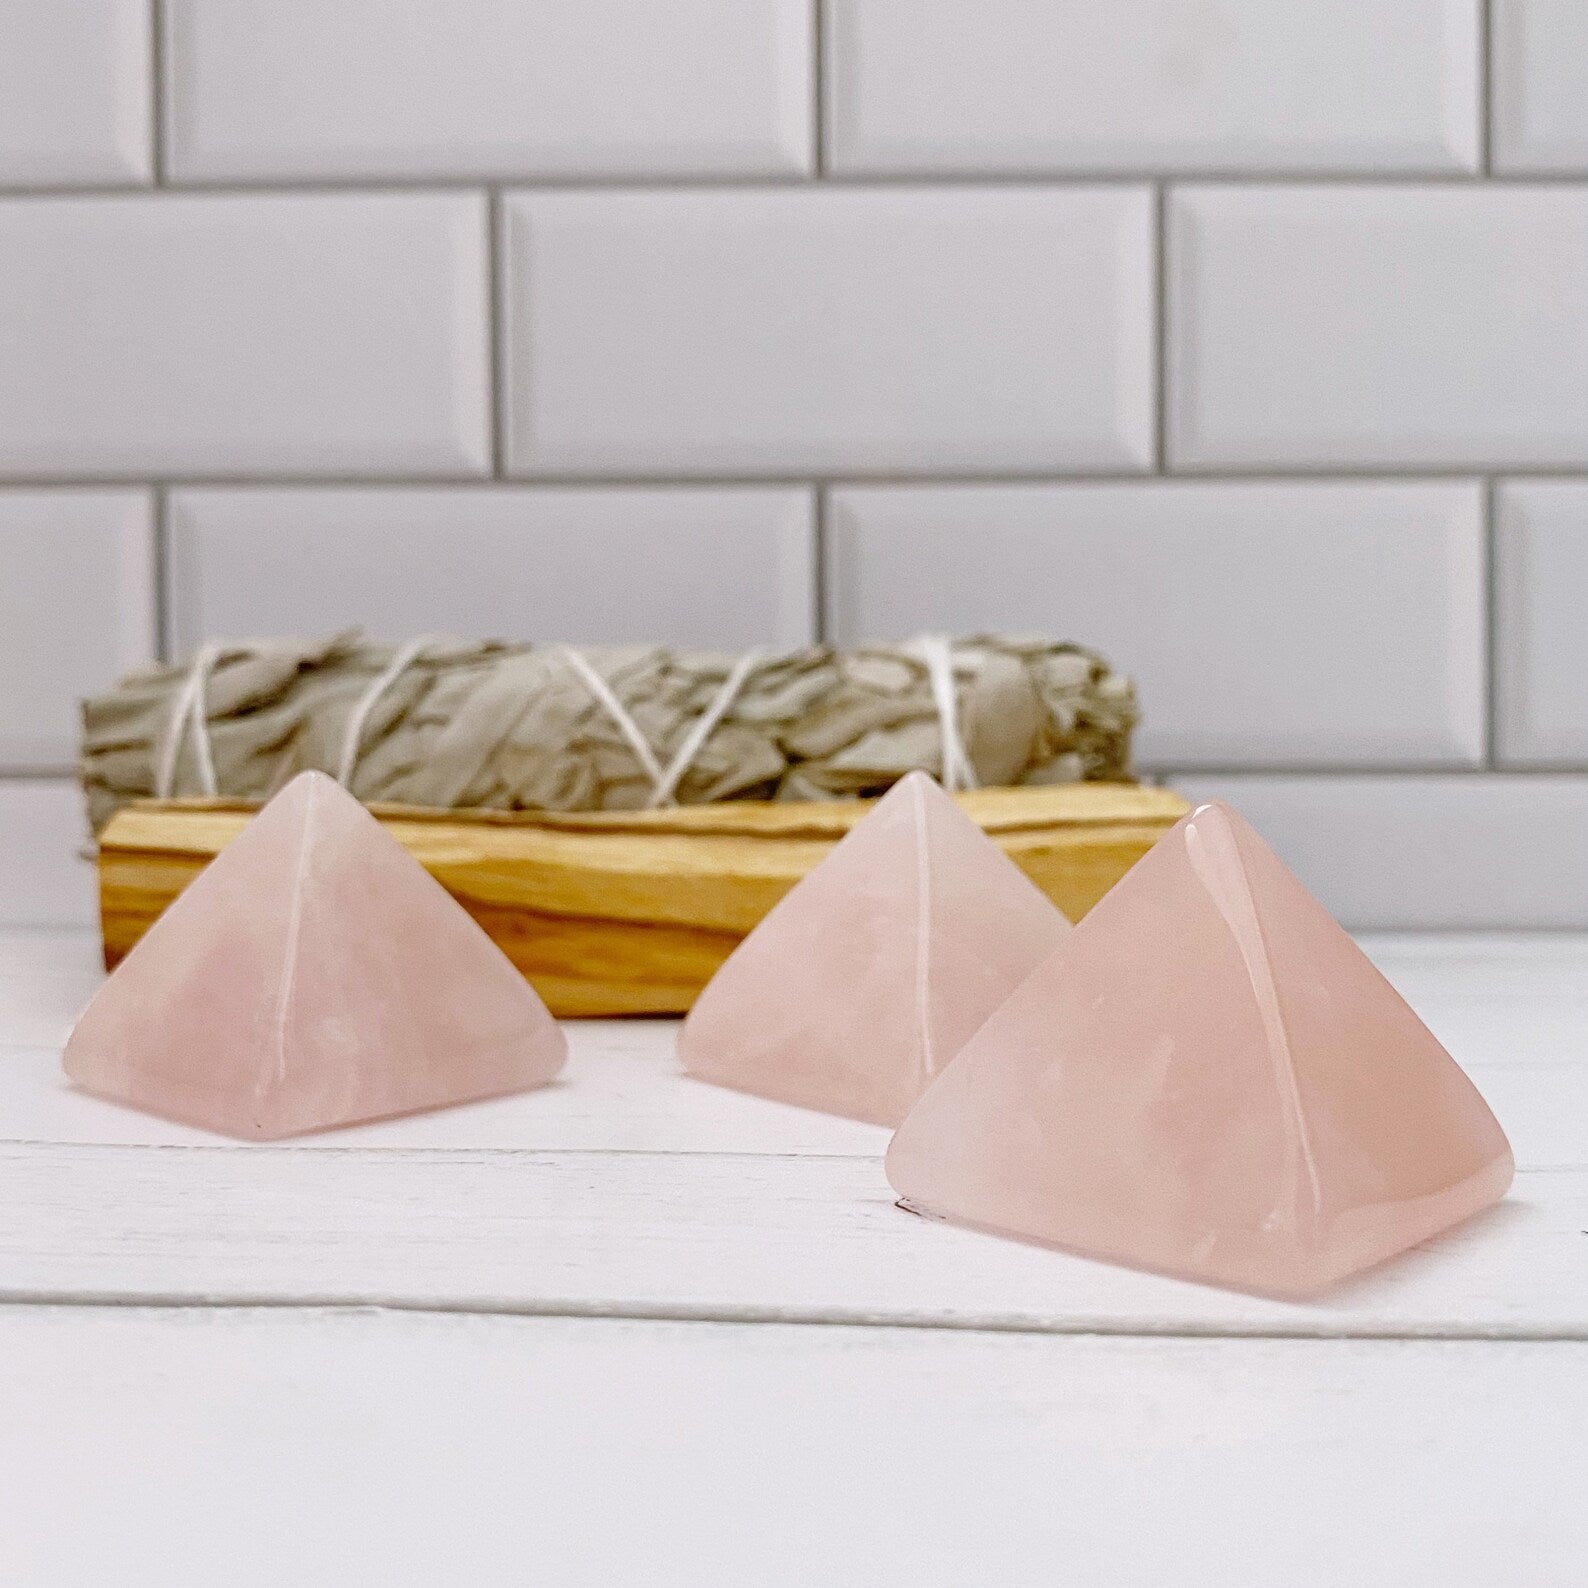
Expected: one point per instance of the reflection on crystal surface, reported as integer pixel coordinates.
(876, 967)
(1207, 1078)
(312, 975)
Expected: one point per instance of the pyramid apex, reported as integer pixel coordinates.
(1215, 815)
(309, 809)
(1219, 843)
(913, 785)
(928, 795)
(312, 784)
(916, 799)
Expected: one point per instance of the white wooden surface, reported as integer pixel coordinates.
(633, 1329)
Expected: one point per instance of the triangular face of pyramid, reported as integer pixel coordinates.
(312, 975)
(1209, 1079)
(873, 970)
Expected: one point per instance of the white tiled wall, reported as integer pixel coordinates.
(299, 333)
(44, 878)
(488, 88)
(1395, 325)
(1438, 851)
(1233, 626)
(830, 331)
(78, 607)
(76, 92)
(1246, 341)
(1540, 85)
(1540, 588)
(729, 567)
(1177, 85)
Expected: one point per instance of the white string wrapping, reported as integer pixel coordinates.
(704, 727)
(938, 655)
(664, 782)
(190, 705)
(353, 734)
(626, 725)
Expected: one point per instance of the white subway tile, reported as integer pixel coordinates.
(731, 567)
(1179, 85)
(1542, 651)
(364, 88)
(835, 331)
(44, 879)
(1540, 85)
(75, 99)
(306, 334)
(76, 611)
(1265, 624)
(1492, 851)
(1390, 325)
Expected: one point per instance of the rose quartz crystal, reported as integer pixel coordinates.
(1206, 1078)
(870, 973)
(312, 975)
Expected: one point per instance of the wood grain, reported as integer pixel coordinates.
(313, 1449)
(620, 913)
(723, 1236)
(751, 1337)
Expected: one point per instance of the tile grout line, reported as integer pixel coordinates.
(821, 601)
(992, 479)
(1491, 626)
(1485, 88)
(496, 331)
(161, 571)
(819, 89)
(1160, 441)
(158, 92)
(289, 184)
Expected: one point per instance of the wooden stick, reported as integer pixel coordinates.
(630, 912)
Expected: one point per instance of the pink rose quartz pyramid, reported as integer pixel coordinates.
(1207, 1078)
(313, 975)
(870, 973)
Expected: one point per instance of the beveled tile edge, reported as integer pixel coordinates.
(136, 555)
(1518, 745)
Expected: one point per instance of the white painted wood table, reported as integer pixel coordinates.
(636, 1330)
